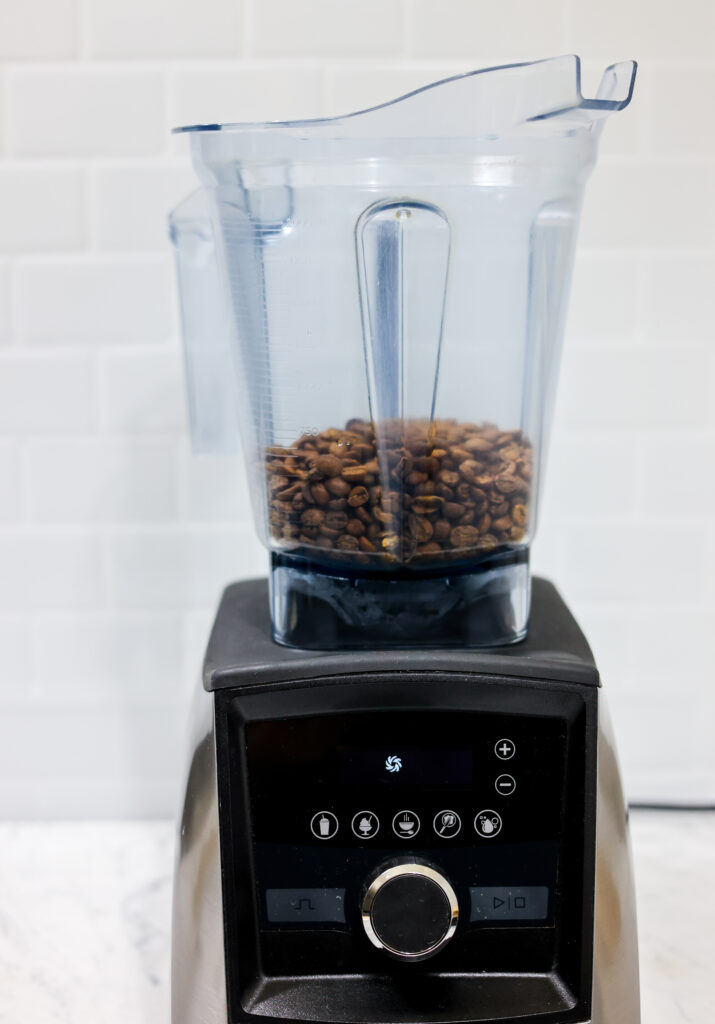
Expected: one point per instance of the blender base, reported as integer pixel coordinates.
(316, 607)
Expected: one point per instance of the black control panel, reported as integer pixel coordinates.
(477, 796)
(439, 827)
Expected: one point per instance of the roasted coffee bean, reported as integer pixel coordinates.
(507, 483)
(484, 523)
(338, 487)
(502, 524)
(320, 494)
(427, 503)
(328, 465)
(441, 530)
(452, 510)
(428, 488)
(328, 531)
(312, 517)
(470, 470)
(499, 509)
(464, 536)
(420, 527)
(430, 548)
(427, 464)
(400, 490)
(339, 520)
(391, 543)
(449, 477)
(354, 474)
(477, 444)
(348, 543)
(358, 496)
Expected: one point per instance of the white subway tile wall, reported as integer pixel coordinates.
(115, 540)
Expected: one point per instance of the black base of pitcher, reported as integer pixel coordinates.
(317, 607)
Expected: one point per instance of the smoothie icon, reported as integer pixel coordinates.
(324, 825)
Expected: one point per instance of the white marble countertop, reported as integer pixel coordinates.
(85, 920)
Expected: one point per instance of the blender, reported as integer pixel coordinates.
(403, 801)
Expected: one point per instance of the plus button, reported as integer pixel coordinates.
(504, 749)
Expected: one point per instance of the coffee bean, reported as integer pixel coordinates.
(348, 543)
(328, 531)
(452, 510)
(502, 524)
(477, 444)
(427, 503)
(355, 527)
(449, 477)
(464, 536)
(506, 483)
(391, 543)
(339, 520)
(320, 494)
(441, 530)
(400, 490)
(338, 487)
(470, 470)
(420, 527)
(358, 496)
(328, 465)
(312, 517)
(484, 523)
(430, 548)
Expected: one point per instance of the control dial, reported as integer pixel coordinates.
(410, 911)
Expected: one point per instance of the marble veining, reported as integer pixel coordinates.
(85, 916)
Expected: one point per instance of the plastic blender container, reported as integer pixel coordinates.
(389, 288)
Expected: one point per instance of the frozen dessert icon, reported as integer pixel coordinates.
(488, 824)
(324, 825)
(365, 824)
(405, 824)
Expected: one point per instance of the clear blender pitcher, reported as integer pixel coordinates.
(375, 305)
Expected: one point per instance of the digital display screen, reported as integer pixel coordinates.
(405, 767)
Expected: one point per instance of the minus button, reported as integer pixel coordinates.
(505, 785)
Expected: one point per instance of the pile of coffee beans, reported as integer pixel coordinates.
(405, 492)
